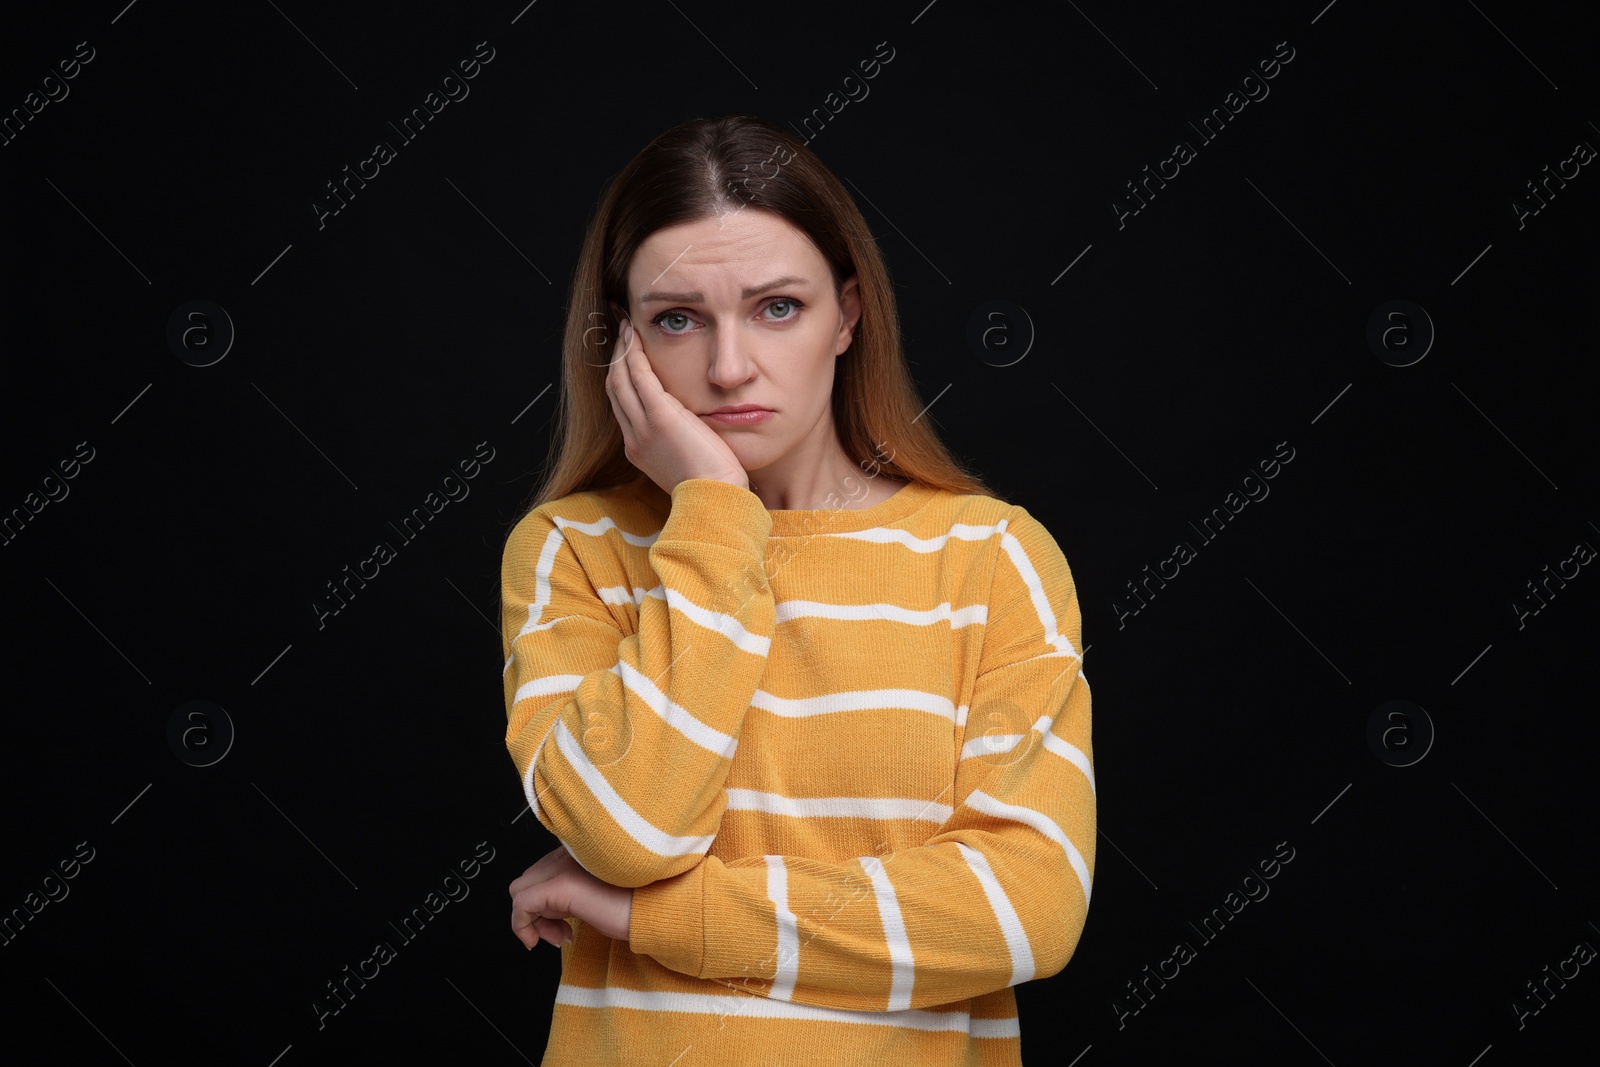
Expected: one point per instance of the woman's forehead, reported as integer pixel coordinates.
(732, 232)
(725, 253)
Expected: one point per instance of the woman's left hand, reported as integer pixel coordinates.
(556, 888)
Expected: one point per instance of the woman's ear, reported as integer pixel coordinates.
(849, 313)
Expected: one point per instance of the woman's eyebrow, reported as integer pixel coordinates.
(746, 294)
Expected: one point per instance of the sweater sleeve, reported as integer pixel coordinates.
(623, 741)
(997, 896)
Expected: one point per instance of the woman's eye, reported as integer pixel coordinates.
(672, 321)
(784, 307)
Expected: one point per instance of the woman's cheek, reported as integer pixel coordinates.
(669, 378)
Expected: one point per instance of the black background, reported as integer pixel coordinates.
(1151, 366)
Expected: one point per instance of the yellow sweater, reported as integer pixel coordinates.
(841, 756)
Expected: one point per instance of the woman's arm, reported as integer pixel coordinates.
(999, 895)
(624, 742)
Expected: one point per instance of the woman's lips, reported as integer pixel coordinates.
(740, 418)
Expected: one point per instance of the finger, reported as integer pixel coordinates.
(524, 928)
(647, 387)
(530, 928)
(624, 393)
(554, 931)
(615, 364)
(529, 925)
(654, 400)
(548, 898)
(614, 359)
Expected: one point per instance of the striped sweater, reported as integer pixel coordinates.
(841, 756)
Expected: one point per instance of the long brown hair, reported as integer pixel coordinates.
(696, 170)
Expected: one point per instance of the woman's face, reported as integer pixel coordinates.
(740, 309)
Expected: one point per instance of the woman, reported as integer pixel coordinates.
(801, 700)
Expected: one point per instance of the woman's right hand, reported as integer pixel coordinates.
(661, 437)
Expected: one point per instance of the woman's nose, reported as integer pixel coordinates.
(730, 358)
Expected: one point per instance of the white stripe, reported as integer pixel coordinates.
(532, 627)
(960, 531)
(1022, 965)
(995, 1027)
(636, 826)
(894, 934)
(711, 620)
(601, 525)
(549, 685)
(838, 807)
(1036, 592)
(541, 578)
(990, 745)
(621, 594)
(993, 744)
(980, 801)
(854, 700)
(788, 610)
(1056, 653)
(721, 623)
(716, 621)
(767, 1008)
(788, 930)
(673, 714)
(1072, 754)
(713, 740)
(707, 737)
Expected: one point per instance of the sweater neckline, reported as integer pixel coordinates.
(805, 522)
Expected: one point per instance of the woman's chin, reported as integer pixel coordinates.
(751, 459)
